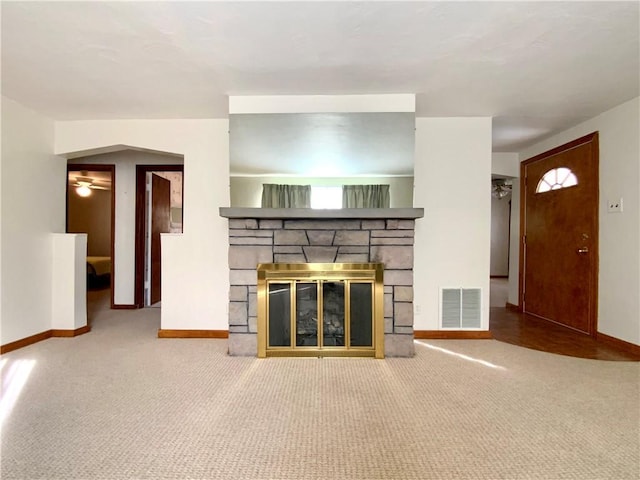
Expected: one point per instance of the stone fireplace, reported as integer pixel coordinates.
(305, 236)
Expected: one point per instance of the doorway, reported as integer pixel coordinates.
(90, 209)
(159, 204)
(559, 235)
(501, 194)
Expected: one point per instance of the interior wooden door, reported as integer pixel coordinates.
(160, 223)
(560, 235)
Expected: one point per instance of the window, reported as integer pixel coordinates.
(326, 197)
(555, 179)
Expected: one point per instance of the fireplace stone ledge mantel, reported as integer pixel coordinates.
(311, 213)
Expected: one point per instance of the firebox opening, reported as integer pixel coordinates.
(320, 309)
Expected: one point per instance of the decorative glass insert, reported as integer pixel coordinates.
(333, 313)
(361, 308)
(280, 314)
(307, 314)
(555, 179)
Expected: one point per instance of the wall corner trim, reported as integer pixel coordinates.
(512, 307)
(70, 333)
(616, 342)
(452, 334)
(164, 333)
(38, 337)
(25, 342)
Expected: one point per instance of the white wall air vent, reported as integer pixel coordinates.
(460, 307)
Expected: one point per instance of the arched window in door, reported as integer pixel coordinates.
(555, 179)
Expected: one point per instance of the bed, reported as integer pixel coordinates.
(98, 271)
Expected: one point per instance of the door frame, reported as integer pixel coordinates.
(111, 168)
(141, 210)
(592, 139)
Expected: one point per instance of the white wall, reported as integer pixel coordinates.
(506, 164)
(33, 205)
(69, 281)
(394, 102)
(195, 281)
(246, 191)
(452, 177)
(500, 236)
(514, 245)
(619, 236)
(125, 228)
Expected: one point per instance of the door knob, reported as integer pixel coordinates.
(583, 250)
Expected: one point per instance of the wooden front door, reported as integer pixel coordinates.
(160, 223)
(559, 256)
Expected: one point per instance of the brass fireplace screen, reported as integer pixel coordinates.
(320, 309)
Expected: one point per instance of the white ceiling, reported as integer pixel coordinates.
(535, 67)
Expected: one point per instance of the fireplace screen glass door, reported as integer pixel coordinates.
(279, 313)
(306, 315)
(333, 314)
(321, 303)
(325, 313)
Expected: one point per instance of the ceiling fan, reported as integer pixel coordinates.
(84, 185)
(501, 188)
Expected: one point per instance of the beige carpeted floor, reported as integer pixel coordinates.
(118, 403)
